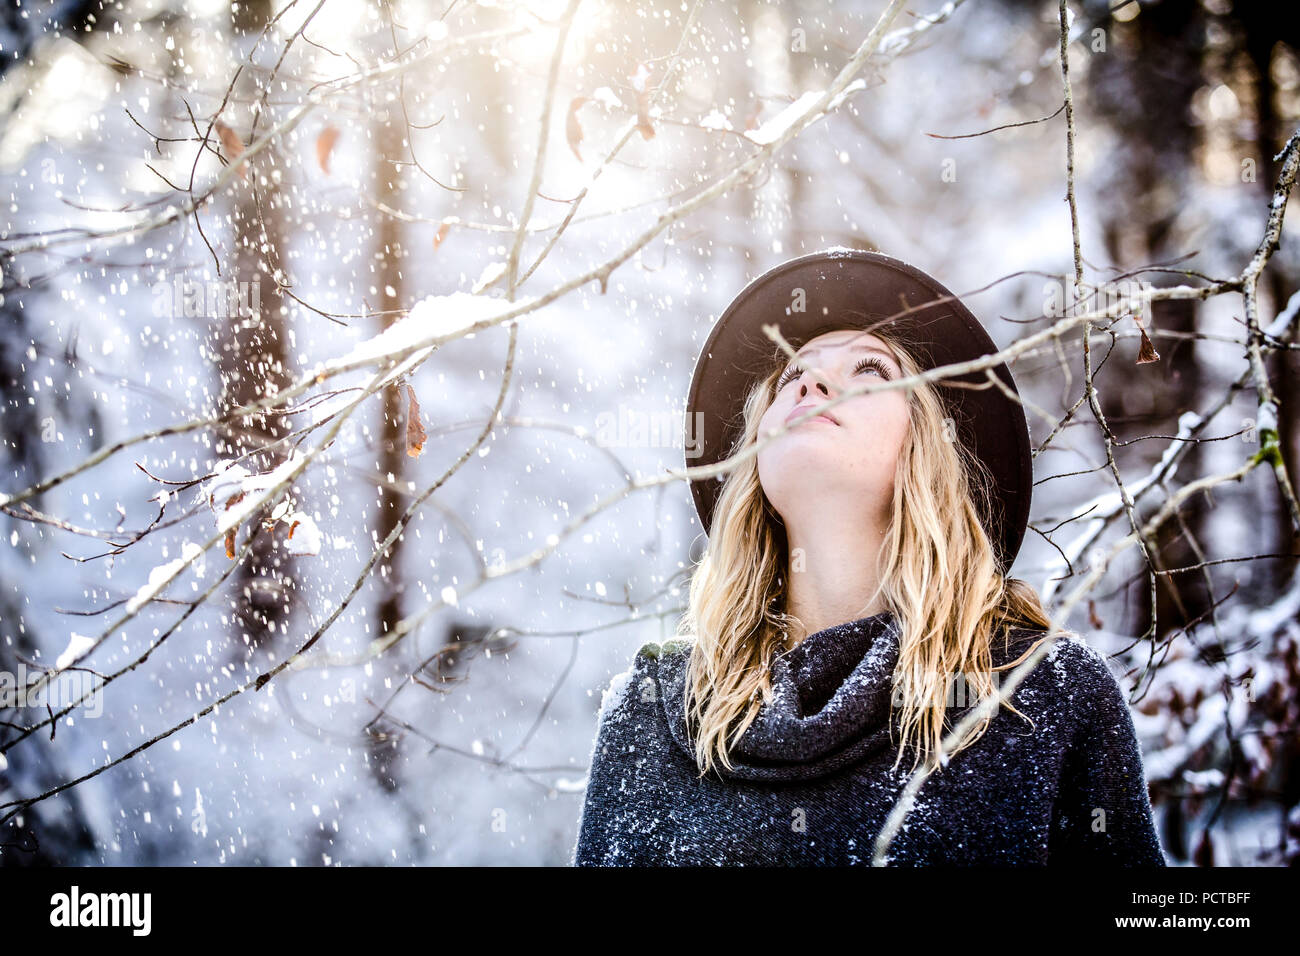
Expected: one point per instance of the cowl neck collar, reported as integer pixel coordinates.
(830, 704)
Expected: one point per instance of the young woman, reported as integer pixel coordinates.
(853, 605)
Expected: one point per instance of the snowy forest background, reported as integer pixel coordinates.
(371, 623)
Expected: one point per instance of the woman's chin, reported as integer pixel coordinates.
(812, 479)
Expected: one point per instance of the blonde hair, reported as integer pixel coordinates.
(939, 577)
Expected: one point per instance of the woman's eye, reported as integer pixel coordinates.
(873, 363)
(867, 363)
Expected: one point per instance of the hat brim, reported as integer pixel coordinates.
(848, 288)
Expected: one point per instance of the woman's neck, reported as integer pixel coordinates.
(833, 575)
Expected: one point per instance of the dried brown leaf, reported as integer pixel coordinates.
(643, 123)
(324, 146)
(233, 145)
(415, 434)
(640, 83)
(441, 234)
(1093, 619)
(1147, 352)
(573, 129)
(1203, 855)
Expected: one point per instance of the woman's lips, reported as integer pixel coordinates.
(802, 409)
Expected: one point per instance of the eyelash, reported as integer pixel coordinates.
(869, 362)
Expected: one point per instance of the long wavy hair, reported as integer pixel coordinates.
(939, 576)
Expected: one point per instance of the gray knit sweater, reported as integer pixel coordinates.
(812, 783)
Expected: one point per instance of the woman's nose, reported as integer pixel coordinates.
(821, 387)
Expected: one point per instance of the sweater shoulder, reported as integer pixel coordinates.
(615, 698)
(635, 688)
(1077, 662)
(1071, 670)
(1081, 676)
(655, 651)
(1069, 654)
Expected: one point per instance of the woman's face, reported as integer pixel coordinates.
(846, 463)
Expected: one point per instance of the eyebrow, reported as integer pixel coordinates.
(857, 347)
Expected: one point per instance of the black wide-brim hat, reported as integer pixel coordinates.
(848, 288)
